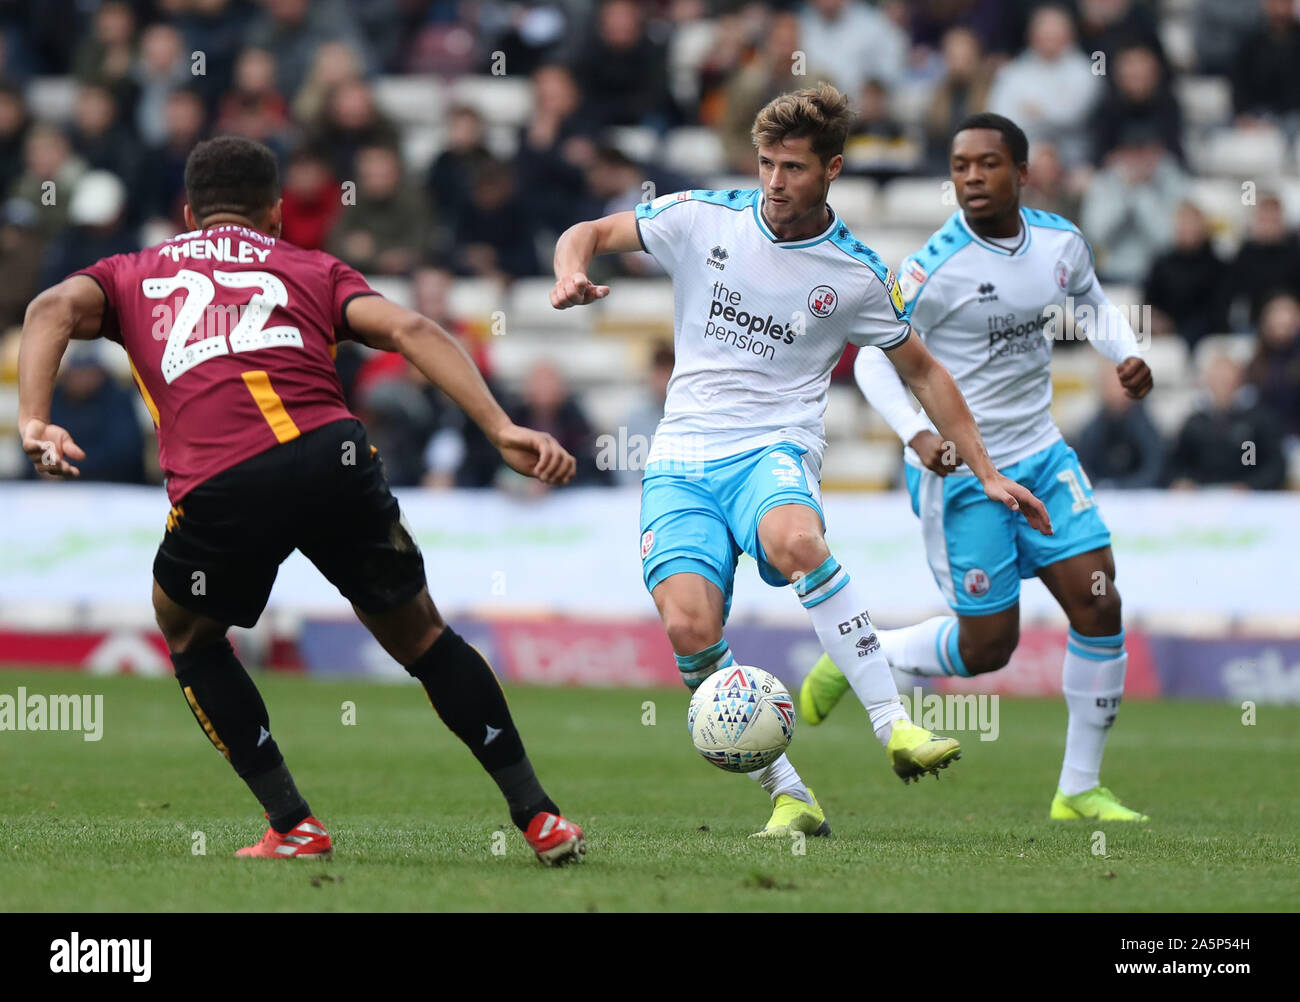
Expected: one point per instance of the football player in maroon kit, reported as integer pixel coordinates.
(231, 335)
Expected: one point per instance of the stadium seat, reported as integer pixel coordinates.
(844, 418)
(1072, 410)
(1170, 360)
(476, 299)
(51, 99)
(585, 361)
(1178, 36)
(635, 141)
(608, 405)
(1169, 407)
(501, 100)
(1259, 154)
(918, 202)
(861, 465)
(1206, 101)
(529, 309)
(854, 198)
(421, 144)
(1221, 201)
(694, 152)
(893, 243)
(1239, 347)
(412, 100)
(637, 302)
(396, 289)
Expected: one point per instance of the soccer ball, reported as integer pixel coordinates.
(741, 719)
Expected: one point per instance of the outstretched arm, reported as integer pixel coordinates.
(72, 309)
(935, 389)
(616, 234)
(385, 325)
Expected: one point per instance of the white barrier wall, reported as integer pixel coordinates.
(1205, 559)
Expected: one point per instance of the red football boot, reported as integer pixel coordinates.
(307, 839)
(555, 840)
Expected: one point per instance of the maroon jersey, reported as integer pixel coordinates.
(231, 336)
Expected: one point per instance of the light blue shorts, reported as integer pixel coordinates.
(980, 550)
(699, 519)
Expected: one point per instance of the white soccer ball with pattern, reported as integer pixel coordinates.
(741, 718)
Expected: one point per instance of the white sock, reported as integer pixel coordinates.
(839, 615)
(928, 648)
(1093, 689)
(780, 777)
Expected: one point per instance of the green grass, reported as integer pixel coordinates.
(107, 826)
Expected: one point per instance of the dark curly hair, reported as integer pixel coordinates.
(231, 174)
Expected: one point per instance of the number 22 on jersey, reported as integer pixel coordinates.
(248, 334)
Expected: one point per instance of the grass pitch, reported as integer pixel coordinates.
(113, 825)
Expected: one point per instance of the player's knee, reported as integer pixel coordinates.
(1101, 615)
(990, 655)
(798, 552)
(690, 630)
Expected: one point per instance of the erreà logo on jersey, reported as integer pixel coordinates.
(717, 256)
(822, 301)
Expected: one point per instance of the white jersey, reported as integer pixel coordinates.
(990, 313)
(758, 323)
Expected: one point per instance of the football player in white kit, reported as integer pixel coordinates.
(769, 286)
(988, 293)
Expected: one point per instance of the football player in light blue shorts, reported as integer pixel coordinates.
(988, 293)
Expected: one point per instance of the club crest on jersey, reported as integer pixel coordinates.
(1062, 274)
(647, 543)
(975, 582)
(822, 301)
(910, 280)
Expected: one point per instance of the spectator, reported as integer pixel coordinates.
(215, 28)
(555, 149)
(1220, 28)
(97, 218)
(253, 107)
(548, 405)
(622, 72)
(451, 178)
(294, 30)
(1108, 26)
(312, 200)
(334, 64)
(386, 231)
(1050, 187)
(162, 186)
(1128, 211)
(854, 43)
(14, 126)
(20, 261)
(526, 34)
(50, 174)
(103, 143)
(1275, 369)
(101, 417)
(758, 83)
(164, 66)
(963, 90)
(1230, 439)
(737, 32)
(495, 236)
(1143, 98)
(878, 146)
(350, 122)
(644, 418)
(1267, 260)
(1119, 446)
(1266, 77)
(107, 55)
(1186, 287)
(1049, 89)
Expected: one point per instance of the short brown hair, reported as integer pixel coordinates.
(819, 113)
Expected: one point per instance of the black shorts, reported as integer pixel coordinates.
(324, 493)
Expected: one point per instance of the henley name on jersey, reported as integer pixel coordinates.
(755, 350)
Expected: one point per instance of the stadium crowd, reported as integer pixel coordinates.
(1131, 108)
